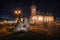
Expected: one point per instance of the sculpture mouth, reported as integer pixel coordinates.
(22, 31)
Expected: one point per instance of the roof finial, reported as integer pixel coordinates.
(33, 2)
(39, 12)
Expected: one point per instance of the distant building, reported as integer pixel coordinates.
(38, 18)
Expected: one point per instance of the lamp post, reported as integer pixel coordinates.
(17, 12)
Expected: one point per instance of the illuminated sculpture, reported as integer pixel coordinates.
(23, 25)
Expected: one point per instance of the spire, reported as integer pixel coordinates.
(47, 13)
(43, 13)
(39, 12)
(33, 2)
(50, 14)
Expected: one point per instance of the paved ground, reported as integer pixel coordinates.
(26, 36)
(31, 35)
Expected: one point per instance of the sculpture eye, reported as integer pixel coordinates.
(21, 19)
(24, 26)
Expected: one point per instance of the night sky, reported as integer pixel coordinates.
(7, 6)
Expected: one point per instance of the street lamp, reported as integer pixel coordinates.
(17, 12)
